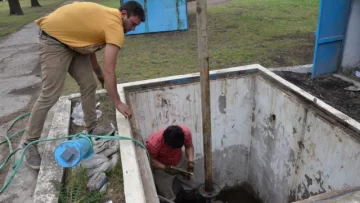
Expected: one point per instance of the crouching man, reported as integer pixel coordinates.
(165, 149)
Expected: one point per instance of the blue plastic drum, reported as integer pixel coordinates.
(70, 153)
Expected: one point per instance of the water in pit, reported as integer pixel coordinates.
(240, 194)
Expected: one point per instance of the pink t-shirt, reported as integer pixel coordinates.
(164, 153)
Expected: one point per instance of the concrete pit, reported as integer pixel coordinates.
(267, 133)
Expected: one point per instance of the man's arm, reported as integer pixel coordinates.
(189, 151)
(96, 68)
(153, 148)
(94, 63)
(157, 164)
(110, 57)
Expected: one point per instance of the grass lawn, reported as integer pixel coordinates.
(269, 32)
(10, 24)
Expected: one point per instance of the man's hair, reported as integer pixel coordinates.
(174, 136)
(133, 8)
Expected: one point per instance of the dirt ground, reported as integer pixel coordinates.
(14, 143)
(329, 89)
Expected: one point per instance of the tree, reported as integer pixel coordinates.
(15, 8)
(35, 3)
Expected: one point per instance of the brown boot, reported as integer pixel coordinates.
(32, 156)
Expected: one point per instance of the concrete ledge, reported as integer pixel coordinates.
(297, 69)
(142, 173)
(78, 95)
(133, 185)
(179, 79)
(45, 191)
(347, 79)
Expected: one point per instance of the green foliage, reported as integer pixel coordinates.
(75, 191)
(273, 33)
(12, 23)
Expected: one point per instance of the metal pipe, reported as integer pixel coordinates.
(201, 15)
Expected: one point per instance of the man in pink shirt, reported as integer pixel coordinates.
(165, 149)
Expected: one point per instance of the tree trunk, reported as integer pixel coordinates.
(35, 3)
(15, 8)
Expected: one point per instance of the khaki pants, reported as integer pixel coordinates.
(164, 181)
(56, 61)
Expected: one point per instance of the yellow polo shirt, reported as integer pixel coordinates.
(84, 26)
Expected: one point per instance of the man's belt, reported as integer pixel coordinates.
(42, 32)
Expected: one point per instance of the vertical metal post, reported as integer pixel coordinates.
(201, 16)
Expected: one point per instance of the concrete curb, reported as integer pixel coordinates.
(298, 69)
(133, 186)
(138, 182)
(50, 171)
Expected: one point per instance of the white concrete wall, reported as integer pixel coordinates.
(329, 158)
(274, 147)
(299, 154)
(231, 104)
(351, 53)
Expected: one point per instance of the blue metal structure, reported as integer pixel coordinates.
(330, 34)
(162, 16)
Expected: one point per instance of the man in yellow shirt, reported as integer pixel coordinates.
(69, 38)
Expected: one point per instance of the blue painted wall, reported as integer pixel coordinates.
(162, 16)
(330, 35)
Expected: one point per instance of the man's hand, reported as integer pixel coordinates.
(124, 109)
(190, 169)
(190, 166)
(97, 69)
(100, 77)
(170, 171)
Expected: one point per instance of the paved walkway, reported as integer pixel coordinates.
(20, 82)
(19, 71)
(19, 86)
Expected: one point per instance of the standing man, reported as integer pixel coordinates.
(165, 149)
(69, 38)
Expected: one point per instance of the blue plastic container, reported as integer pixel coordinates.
(70, 153)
